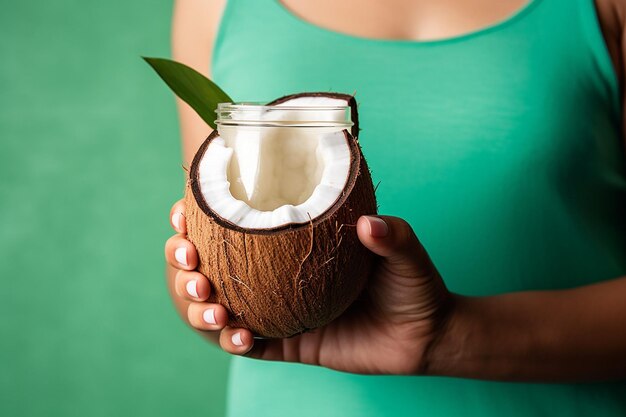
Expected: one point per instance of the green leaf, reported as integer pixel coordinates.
(192, 87)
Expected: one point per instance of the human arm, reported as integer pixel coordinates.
(194, 27)
(567, 335)
(407, 323)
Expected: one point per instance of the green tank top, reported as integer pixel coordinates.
(500, 147)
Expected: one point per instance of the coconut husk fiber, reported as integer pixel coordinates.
(284, 281)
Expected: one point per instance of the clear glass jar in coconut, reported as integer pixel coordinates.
(286, 162)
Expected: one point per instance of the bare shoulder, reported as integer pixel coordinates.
(194, 28)
(612, 17)
(612, 14)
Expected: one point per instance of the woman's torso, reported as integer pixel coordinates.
(501, 147)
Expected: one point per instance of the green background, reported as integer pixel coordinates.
(89, 166)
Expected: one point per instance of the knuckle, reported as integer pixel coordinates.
(169, 243)
(405, 234)
(194, 315)
(224, 337)
(178, 284)
(179, 278)
(191, 319)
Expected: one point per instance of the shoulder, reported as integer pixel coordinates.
(611, 11)
(612, 18)
(194, 28)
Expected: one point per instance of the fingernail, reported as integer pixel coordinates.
(237, 339)
(209, 316)
(176, 220)
(181, 255)
(192, 288)
(378, 227)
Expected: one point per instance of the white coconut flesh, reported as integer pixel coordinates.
(263, 178)
(274, 182)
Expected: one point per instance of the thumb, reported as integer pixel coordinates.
(393, 239)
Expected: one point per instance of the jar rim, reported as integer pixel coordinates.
(256, 106)
(260, 114)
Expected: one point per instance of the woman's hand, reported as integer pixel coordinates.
(386, 331)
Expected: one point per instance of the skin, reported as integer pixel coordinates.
(407, 322)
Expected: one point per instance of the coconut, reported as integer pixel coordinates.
(282, 255)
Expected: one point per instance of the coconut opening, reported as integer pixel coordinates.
(279, 170)
(266, 177)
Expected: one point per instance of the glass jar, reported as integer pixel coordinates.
(276, 154)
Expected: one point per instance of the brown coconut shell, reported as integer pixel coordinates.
(284, 281)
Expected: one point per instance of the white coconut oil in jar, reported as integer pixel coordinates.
(280, 152)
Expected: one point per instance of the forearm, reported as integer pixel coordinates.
(568, 335)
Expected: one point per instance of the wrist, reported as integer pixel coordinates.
(484, 338)
(450, 336)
